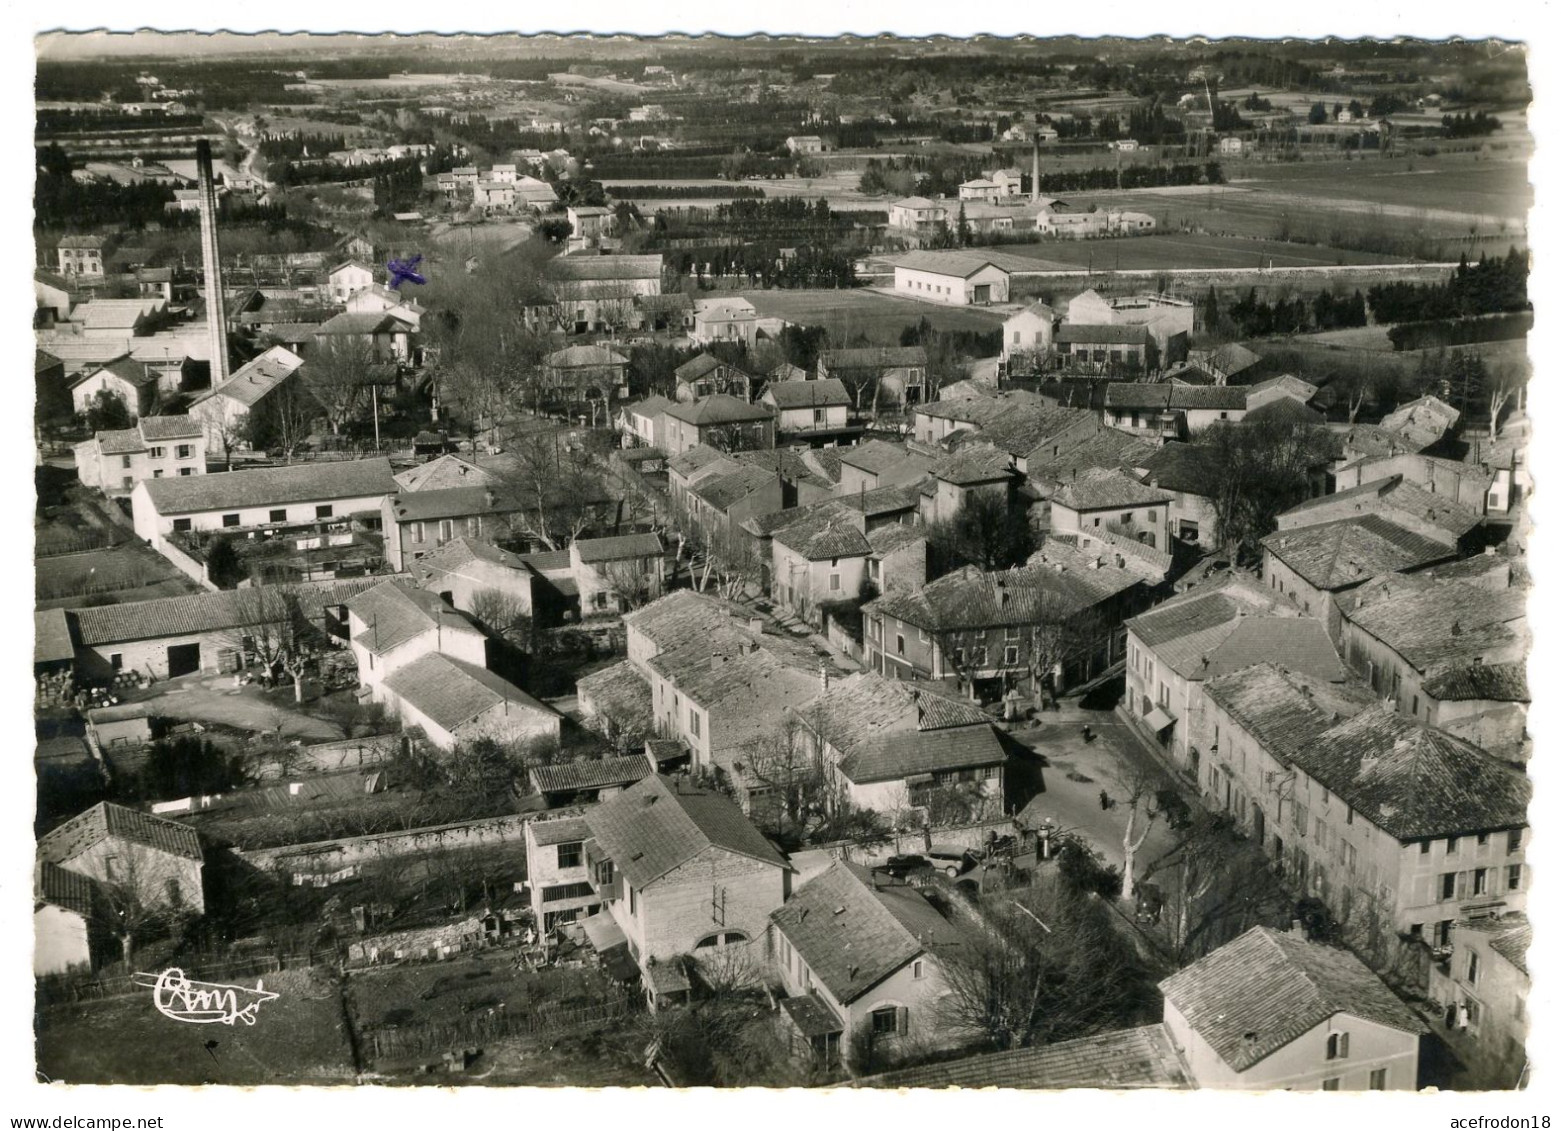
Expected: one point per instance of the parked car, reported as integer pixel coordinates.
(950, 859)
(905, 865)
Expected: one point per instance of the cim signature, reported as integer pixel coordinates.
(204, 1003)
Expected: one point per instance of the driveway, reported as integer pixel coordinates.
(214, 699)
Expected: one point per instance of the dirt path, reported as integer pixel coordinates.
(214, 700)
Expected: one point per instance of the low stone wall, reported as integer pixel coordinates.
(328, 857)
(185, 564)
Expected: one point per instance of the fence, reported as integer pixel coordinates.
(431, 1039)
(58, 989)
(53, 545)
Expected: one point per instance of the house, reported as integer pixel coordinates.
(1482, 987)
(1426, 421)
(860, 957)
(917, 214)
(473, 576)
(1447, 646)
(589, 779)
(808, 143)
(617, 574)
(1229, 360)
(1285, 386)
(889, 746)
(1027, 337)
(448, 470)
(1118, 1059)
(1015, 421)
(119, 317)
(494, 196)
(54, 296)
(726, 320)
(504, 174)
(1169, 411)
(981, 189)
(720, 421)
(642, 421)
(1316, 566)
(1231, 146)
(533, 193)
(897, 375)
(154, 861)
(347, 279)
(594, 290)
(224, 409)
(115, 461)
(1271, 1010)
(455, 701)
(1210, 630)
(719, 683)
(810, 411)
(681, 872)
(466, 176)
(580, 373)
(1052, 465)
(820, 558)
(392, 624)
(1051, 624)
(1401, 502)
(974, 469)
(69, 928)
(1483, 488)
(415, 523)
(1399, 829)
(556, 873)
(590, 222)
(384, 337)
(126, 379)
(81, 255)
(242, 500)
(959, 278)
(1105, 349)
(1109, 497)
(705, 374)
(1182, 471)
(674, 312)
(615, 702)
(878, 463)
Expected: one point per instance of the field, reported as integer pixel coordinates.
(300, 1038)
(128, 572)
(878, 315)
(1170, 251)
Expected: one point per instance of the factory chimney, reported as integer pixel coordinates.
(216, 312)
(1035, 169)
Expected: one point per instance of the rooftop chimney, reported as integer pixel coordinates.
(216, 313)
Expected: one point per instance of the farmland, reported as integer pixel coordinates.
(880, 316)
(1170, 251)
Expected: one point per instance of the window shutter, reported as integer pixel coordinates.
(902, 1020)
(1461, 885)
(1344, 1045)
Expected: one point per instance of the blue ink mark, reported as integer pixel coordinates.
(404, 271)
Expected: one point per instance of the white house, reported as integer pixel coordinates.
(456, 702)
(958, 278)
(807, 406)
(1029, 333)
(223, 410)
(158, 446)
(347, 279)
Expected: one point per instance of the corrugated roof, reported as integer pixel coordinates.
(1253, 996)
(590, 773)
(1145, 1057)
(853, 931)
(660, 823)
(271, 486)
(452, 692)
(107, 820)
(1346, 552)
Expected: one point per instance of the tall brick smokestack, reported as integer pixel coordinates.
(1035, 169)
(216, 312)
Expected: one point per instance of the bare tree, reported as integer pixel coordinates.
(1142, 814)
(268, 629)
(282, 421)
(502, 614)
(788, 764)
(627, 581)
(1252, 472)
(338, 374)
(556, 488)
(129, 905)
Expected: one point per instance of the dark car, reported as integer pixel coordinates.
(902, 866)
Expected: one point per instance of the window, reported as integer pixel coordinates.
(175, 895)
(157, 453)
(885, 1021)
(1452, 846)
(415, 531)
(834, 583)
(693, 722)
(446, 529)
(978, 656)
(157, 473)
(1010, 656)
(111, 867)
(720, 939)
(184, 451)
(1472, 971)
(1449, 883)
(1514, 841)
(279, 515)
(569, 854)
(1414, 704)
(604, 873)
(1331, 1084)
(1425, 848)
(124, 462)
(1480, 880)
(186, 471)
(116, 661)
(474, 526)
(634, 903)
(1514, 877)
(899, 644)
(1483, 839)
(918, 970)
(323, 511)
(230, 520)
(1338, 1046)
(1379, 1080)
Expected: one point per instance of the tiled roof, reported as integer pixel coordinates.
(362, 322)
(1256, 994)
(697, 458)
(650, 407)
(1208, 396)
(830, 392)
(166, 616)
(393, 612)
(621, 693)
(453, 502)
(854, 709)
(1106, 448)
(853, 931)
(719, 409)
(1183, 630)
(874, 357)
(159, 429)
(618, 548)
(577, 357)
(789, 463)
(1038, 592)
(825, 461)
(812, 1016)
(1346, 552)
(271, 486)
(823, 534)
(444, 471)
(1106, 334)
(895, 757)
(1102, 488)
(697, 366)
(1413, 781)
(1284, 410)
(875, 456)
(1232, 358)
(1291, 386)
(1509, 936)
(120, 441)
(43, 361)
(1393, 493)
(1145, 1057)
(459, 551)
(1502, 682)
(1106, 545)
(69, 890)
(1285, 711)
(660, 822)
(974, 465)
(51, 637)
(124, 368)
(452, 692)
(1139, 394)
(987, 409)
(1179, 467)
(961, 264)
(559, 830)
(1298, 644)
(893, 499)
(105, 820)
(591, 773)
(894, 536)
(721, 491)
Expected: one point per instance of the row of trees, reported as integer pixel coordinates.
(1490, 286)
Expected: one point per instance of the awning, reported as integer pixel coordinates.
(812, 1016)
(665, 979)
(604, 933)
(1158, 720)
